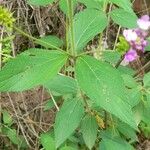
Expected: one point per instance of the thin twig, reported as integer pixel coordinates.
(143, 68)
(117, 37)
(21, 127)
(54, 101)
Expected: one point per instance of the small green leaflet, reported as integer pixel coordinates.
(111, 56)
(62, 85)
(125, 4)
(146, 80)
(127, 131)
(50, 39)
(124, 18)
(111, 140)
(148, 97)
(129, 81)
(89, 130)
(50, 104)
(87, 24)
(30, 69)
(104, 85)
(7, 119)
(47, 141)
(14, 137)
(67, 120)
(92, 4)
(63, 4)
(68, 148)
(40, 2)
(114, 144)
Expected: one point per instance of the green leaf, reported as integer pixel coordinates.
(40, 2)
(146, 114)
(124, 18)
(92, 4)
(67, 120)
(126, 70)
(88, 24)
(127, 131)
(54, 40)
(89, 130)
(122, 46)
(62, 85)
(50, 104)
(134, 96)
(47, 141)
(114, 144)
(63, 4)
(148, 97)
(7, 119)
(146, 80)
(111, 56)
(11, 134)
(138, 112)
(125, 4)
(129, 81)
(133, 90)
(112, 140)
(104, 85)
(30, 69)
(67, 148)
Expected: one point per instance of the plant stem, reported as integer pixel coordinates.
(99, 49)
(67, 35)
(109, 19)
(117, 37)
(1, 37)
(71, 13)
(54, 101)
(105, 119)
(80, 94)
(35, 39)
(119, 61)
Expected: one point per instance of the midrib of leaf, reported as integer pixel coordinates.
(67, 85)
(69, 116)
(27, 70)
(84, 31)
(91, 69)
(71, 112)
(45, 62)
(126, 117)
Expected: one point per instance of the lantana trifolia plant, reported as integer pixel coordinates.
(103, 102)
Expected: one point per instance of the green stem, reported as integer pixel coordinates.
(67, 35)
(117, 37)
(38, 40)
(99, 49)
(71, 13)
(119, 61)
(98, 54)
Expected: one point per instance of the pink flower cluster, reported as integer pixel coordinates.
(137, 38)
